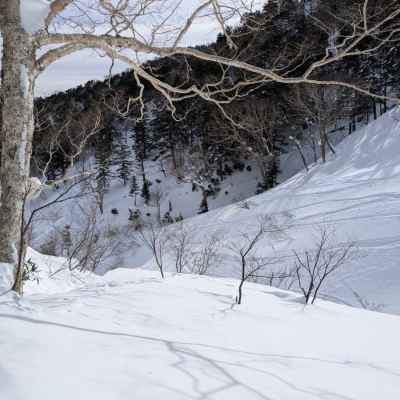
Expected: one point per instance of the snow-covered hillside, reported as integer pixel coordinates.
(356, 194)
(130, 334)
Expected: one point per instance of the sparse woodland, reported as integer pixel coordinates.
(283, 77)
(215, 215)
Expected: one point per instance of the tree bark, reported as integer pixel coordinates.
(323, 144)
(300, 150)
(16, 130)
(374, 109)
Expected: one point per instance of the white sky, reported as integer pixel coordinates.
(88, 65)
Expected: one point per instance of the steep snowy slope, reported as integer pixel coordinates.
(356, 194)
(130, 335)
(177, 197)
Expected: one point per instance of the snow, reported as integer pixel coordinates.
(35, 187)
(54, 275)
(130, 334)
(356, 194)
(33, 14)
(179, 194)
(6, 278)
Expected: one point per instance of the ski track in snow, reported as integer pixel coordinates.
(356, 193)
(129, 334)
(132, 335)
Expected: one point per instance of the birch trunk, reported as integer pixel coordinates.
(16, 132)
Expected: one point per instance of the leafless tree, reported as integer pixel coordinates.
(252, 128)
(155, 239)
(181, 246)
(320, 107)
(313, 267)
(284, 279)
(92, 244)
(70, 139)
(50, 244)
(365, 303)
(124, 31)
(157, 196)
(252, 266)
(209, 254)
(299, 148)
(34, 186)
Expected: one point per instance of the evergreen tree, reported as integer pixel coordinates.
(146, 191)
(123, 162)
(102, 181)
(103, 156)
(168, 132)
(141, 143)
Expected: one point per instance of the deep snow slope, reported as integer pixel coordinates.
(130, 335)
(175, 195)
(356, 195)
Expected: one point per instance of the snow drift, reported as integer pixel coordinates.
(356, 194)
(133, 335)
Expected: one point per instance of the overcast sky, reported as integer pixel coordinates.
(88, 65)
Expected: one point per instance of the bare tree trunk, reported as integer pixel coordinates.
(242, 279)
(322, 139)
(22, 247)
(314, 149)
(300, 150)
(374, 109)
(16, 130)
(385, 105)
(331, 148)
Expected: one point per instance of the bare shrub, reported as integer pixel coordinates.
(180, 246)
(51, 245)
(365, 303)
(91, 245)
(252, 266)
(283, 279)
(313, 267)
(156, 240)
(209, 255)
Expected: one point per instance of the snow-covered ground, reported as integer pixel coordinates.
(131, 335)
(356, 194)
